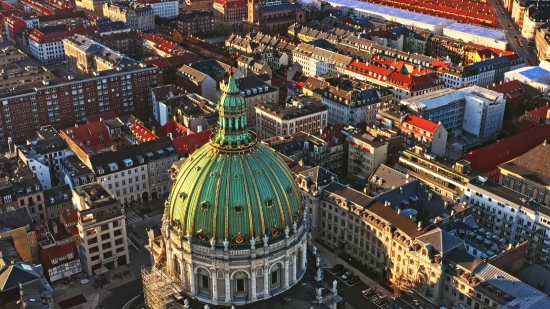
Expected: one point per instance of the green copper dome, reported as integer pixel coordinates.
(234, 187)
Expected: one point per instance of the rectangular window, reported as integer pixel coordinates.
(274, 278)
(205, 282)
(240, 285)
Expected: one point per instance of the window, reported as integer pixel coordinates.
(205, 282)
(240, 285)
(274, 277)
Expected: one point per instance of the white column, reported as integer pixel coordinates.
(304, 256)
(193, 277)
(294, 267)
(286, 273)
(227, 287)
(253, 283)
(266, 281)
(214, 284)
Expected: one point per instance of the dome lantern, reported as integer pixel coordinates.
(233, 120)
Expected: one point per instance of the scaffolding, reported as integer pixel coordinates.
(161, 289)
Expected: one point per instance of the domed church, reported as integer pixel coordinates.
(234, 230)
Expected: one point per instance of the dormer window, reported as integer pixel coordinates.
(100, 170)
(52, 200)
(150, 155)
(171, 150)
(269, 203)
(160, 153)
(140, 159)
(113, 167)
(128, 162)
(239, 209)
(205, 206)
(29, 190)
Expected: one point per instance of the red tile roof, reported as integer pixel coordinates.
(141, 133)
(69, 218)
(421, 124)
(105, 116)
(173, 127)
(231, 3)
(159, 62)
(540, 112)
(165, 91)
(55, 252)
(489, 157)
(511, 89)
(333, 135)
(187, 144)
(42, 38)
(90, 137)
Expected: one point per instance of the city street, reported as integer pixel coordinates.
(122, 294)
(504, 23)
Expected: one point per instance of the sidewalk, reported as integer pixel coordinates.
(95, 296)
(330, 259)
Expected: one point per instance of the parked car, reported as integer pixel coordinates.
(353, 280)
(368, 292)
(337, 267)
(381, 299)
(347, 275)
(341, 272)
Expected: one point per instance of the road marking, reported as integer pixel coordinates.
(132, 217)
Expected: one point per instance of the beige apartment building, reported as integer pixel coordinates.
(95, 6)
(102, 229)
(199, 5)
(18, 68)
(365, 154)
(140, 17)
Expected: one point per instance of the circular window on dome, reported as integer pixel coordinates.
(239, 209)
(272, 164)
(205, 206)
(275, 232)
(183, 195)
(269, 203)
(236, 176)
(258, 172)
(213, 174)
(289, 190)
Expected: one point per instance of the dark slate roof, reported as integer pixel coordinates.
(536, 276)
(17, 273)
(349, 194)
(532, 165)
(441, 241)
(112, 26)
(319, 176)
(20, 217)
(279, 7)
(58, 193)
(103, 159)
(459, 256)
(414, 195)
(250, 82)
(151, 148)
(9, 253)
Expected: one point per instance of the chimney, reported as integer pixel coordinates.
(510, 246)
(398, 211)
(175, 118)
(419, 224)
(544, 143)
(452, 212)
(199, 129)
(113, 148)
(171, 136)
(101, 119)
(435, 220)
